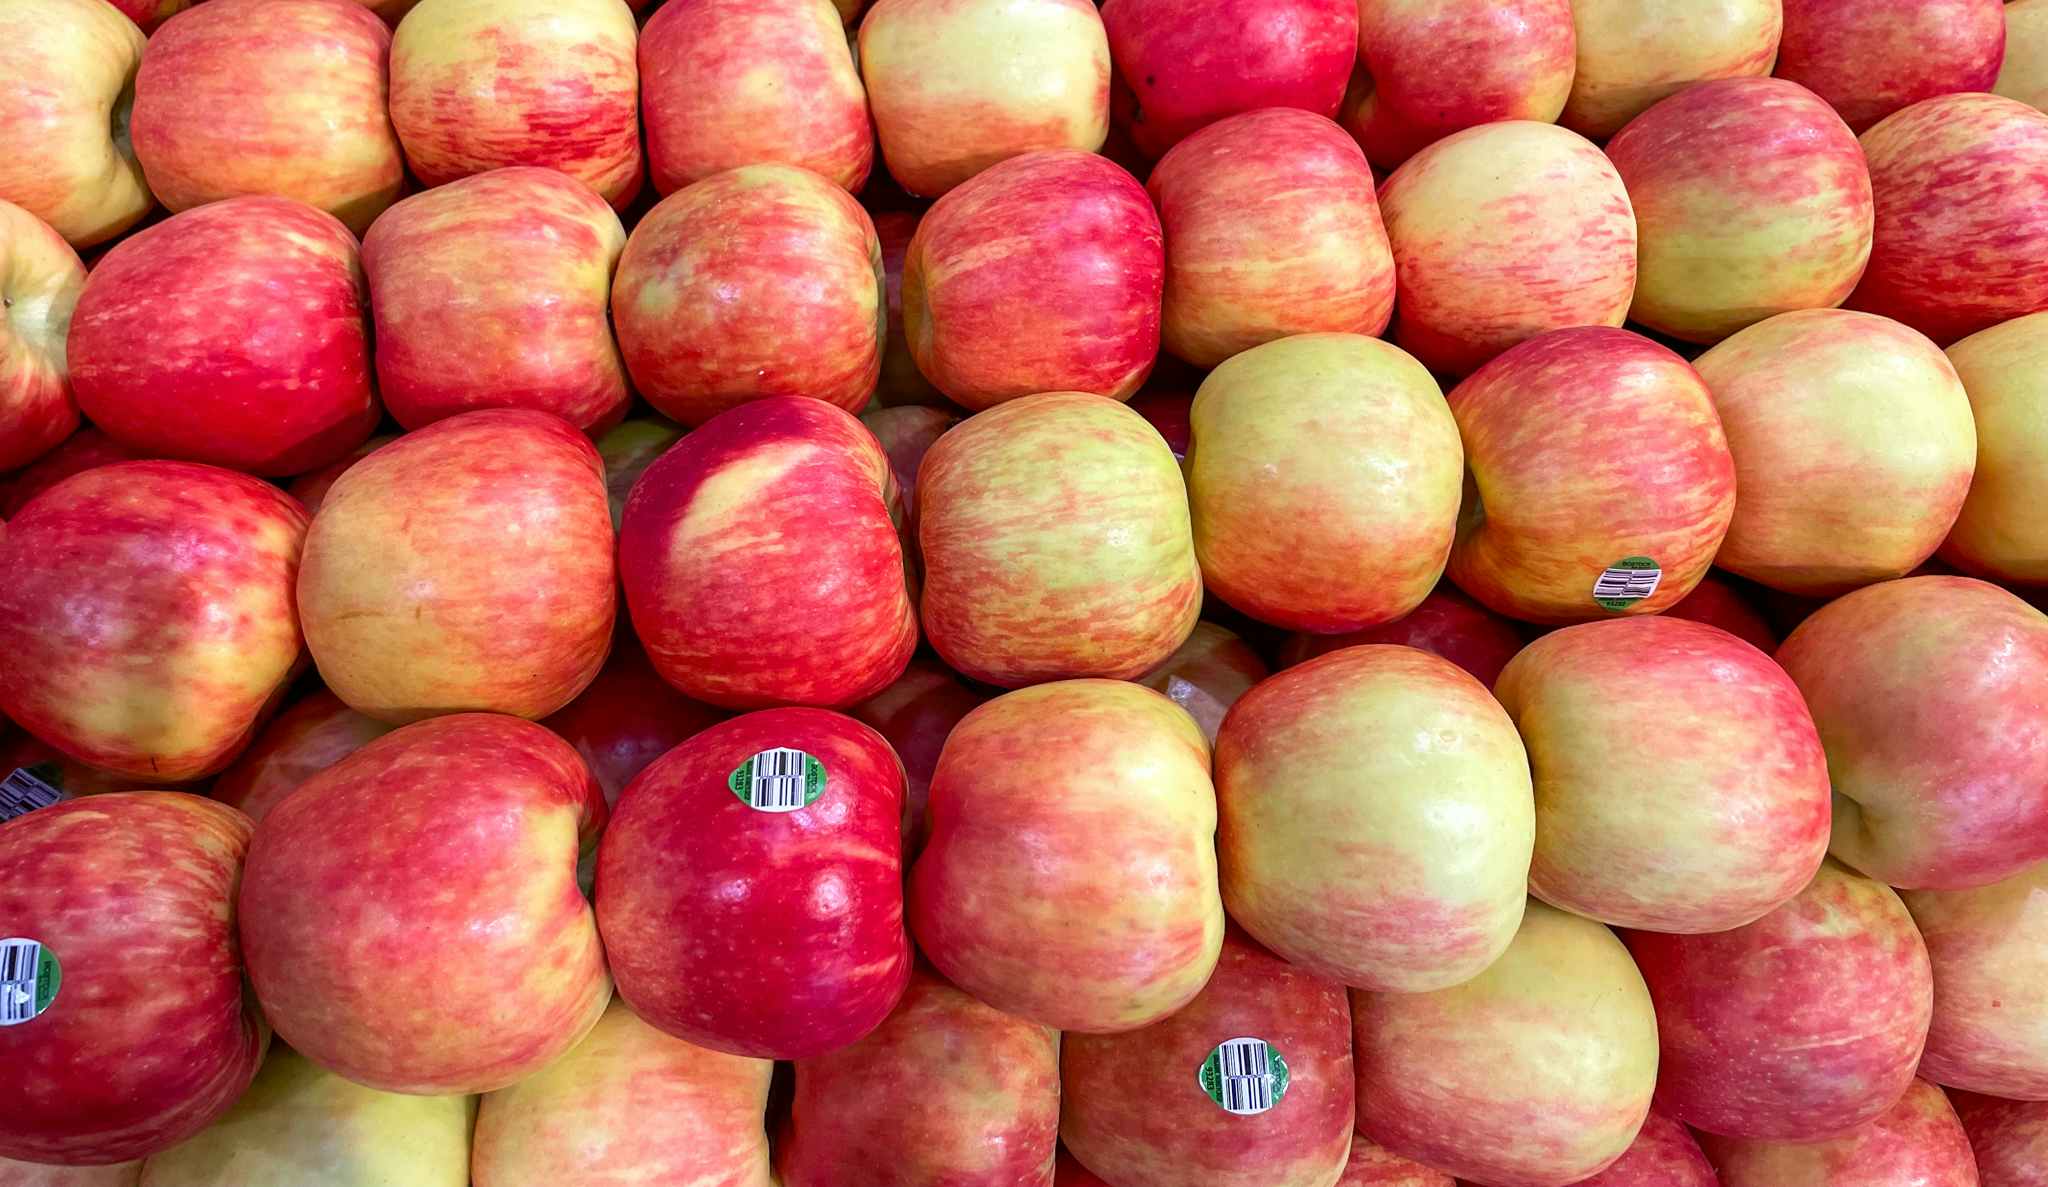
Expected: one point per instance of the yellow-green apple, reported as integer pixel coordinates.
(958, 85)
(901, 381)
(1428, 68)
(1043, 273)
(40, 277)
(1989, 947)
(2000, 534)
(627, 451)
(478, 85)
(628, 1104)
(283, 97)
(84, 450)
(764, 280)
(1796, 1027)
(1447, 623)
(443, 857)
(1070, 871)
(1751, 199)
(1248, 1084)
(761, 564)
(1961, 185)
(750, 886)
(300, 1124)
(1373, 1166)
(1643, 824)
(464, 566)
(1599, 481)
(1189, 63)
(1872, 57)
(1375, 819)
(1501, 232)
(1536, 1073)
(1929, 695)
(916, 715)
(492, 291)
(906, 433)
(947, 1092)
(232, 334)
(44, 1174)
(299, 743)
(1271, 229)
(1028, 580)
(725, 83)
(1716, 602)
(1323, 480)
(1824, 409)
(1916, 1142)
(311, 488)
(67, 73)
(2024, 74)
(2008, 1137)
(1664, 1154)
(627, 718)
(127, 1025)
(1208, 674)
(1631, 53)
(147, 618)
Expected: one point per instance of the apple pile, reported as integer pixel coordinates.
(1023, 593)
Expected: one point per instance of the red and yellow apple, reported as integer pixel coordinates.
(1373, 1166)
(1917, 1142)
(1447, 623)
(67, 73)
(1872, 57)
(1631, 53)
(1664, 1154)
(40, 278)
(1717, 602)
(901, 381)
(1999, 534)
(1208, 674)
(311, 488)
(299, 743)
(916, 715)
(1989, 947)
(84, 450)
(2009, 1138)
(628, 717)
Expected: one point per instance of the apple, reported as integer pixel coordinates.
(1664, 1154)
(43, 1174)
(958, 85)
(749, 887)
(130, 1029)
(1872, 57)
(1271, 229)
(443, 856)
(2024, 74)
(40, 277)
(1471, 283)
(627, 1104)
(627, 450)
(1716, 602)
(906, 433)
(313, 734)
(1208, 674)
(492, 292)
(20, 750)
(1989, 947)
(1375, 819)
(915, 716)
(1928, 693)
(1372, 1166)
(2009, 1138)
(726, 83)
(282, 97)
(1632, 53)
(1797, 1027)
(1070, 873)
(478, 85)
(464, 566)
(1028, 579)
(1323, 481)
(1997, 534)
(1068, 1173)
(761, 281)
(1447, 623)
(68, 68)
(1042, 274)
(311, 488)
(1917, 1142)
(628, 717)
(901, 381)
(1168, 411)
(84, 450)
(147, 617)
(1751, 199)
(1536, 1073)
(947, 1091)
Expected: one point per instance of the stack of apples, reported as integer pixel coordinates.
(1024, 593)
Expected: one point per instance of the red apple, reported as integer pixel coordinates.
(24, 751)
(627, 451)
(1068, 1173)
(1168, 412)
(1208, 674)
(901, 382)
(2008, 1137)
(1631, 53)
(1917, 1142)
(628, 717)
(1447, 623)
(67, 69)
(1989, 947)
(299, 743)
(906, 433)
(1872, 57)
(127, 1023)
(1998, 534)
(1663, 1155)
(84, 450)
(1372, 1166)
(916, 715)
(40, 278)
(1716, 602)
(311, 488)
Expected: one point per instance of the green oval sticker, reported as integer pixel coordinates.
(778, 780)
(29, 980)
(1244, 1076)
(1626, 582)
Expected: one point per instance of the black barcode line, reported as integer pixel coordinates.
(19, 963)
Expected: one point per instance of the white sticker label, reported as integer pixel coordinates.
(1245, 1076)
(1626, 582)
(21, 792)
(778, 780)
(29, 978)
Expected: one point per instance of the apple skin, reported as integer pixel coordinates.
(1536, 1073)
(459, 838)
(1998, 535)
(1586, 446)
(1068, 1173)
(84, 450)
(916, 715)
(1208, 674)
(628, 717)
(901, 381)
(947, 1092)
(777, 935)
(1069, 876)
(493, 291)
(1168, 412)
(1961, 185)
(1447, 623)
(1631, 53)
(1271, 229)
(2008, 1137)
(1917, 1142)
(628, 1104)
(725, 83)
(760, 562)
(1872, 57)
(43, 1174)
(1371, 1166)
(466, 566)
(761, 281)
(1044, 273)
(69, 65)
(1716, 602)
(958, 85)
(1751, 199)
(300, 1124)
(299, 743)
(126, 1061)
(311, 488)
(1928, 695)
(1696, 803)
(1473, 282)
(906, 433)
(284, 97)
(1376, 819)
(40, 278)
(2024, 74)
(1799, 1026)
(1664, 1154)
(1027, 580)
(148, 619)
(20, 749)
(1990, 1028)
(1323, 482)
(627, 451)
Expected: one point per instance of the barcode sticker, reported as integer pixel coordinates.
(1244, 1076)
(24, 790)
(778, 780)
(1626, 582)
(29, 978)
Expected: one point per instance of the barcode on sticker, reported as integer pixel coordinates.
(27, 980)
(781, 779)
(21, 792)
(1245, 1076)
(1626, 582)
